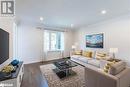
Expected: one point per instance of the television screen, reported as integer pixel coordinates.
(4, 46)
(94, 41)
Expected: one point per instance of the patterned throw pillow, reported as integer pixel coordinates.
(108, 66)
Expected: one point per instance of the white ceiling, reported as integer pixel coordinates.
(63, 13)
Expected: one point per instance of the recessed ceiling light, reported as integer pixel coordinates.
(41, 18)
(72, 25)
(103, 12)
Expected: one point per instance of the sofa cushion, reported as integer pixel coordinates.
(84, 59)
(94, 62)
(75, 56)
(117, 68)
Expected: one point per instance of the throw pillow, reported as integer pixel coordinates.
(108, 66)
(78, 52)
(100, 55)
(87, 54)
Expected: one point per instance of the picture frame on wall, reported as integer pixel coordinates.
(95, 40)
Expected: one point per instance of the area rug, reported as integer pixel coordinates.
(53, 80)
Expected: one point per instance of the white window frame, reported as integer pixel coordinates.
(50, 49)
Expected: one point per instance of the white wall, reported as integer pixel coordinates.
(116, 34)
(6, 23)
(31, 42)
(69, 39)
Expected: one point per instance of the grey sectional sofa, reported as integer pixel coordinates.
(96, 77)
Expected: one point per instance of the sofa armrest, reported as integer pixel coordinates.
(124, 77)
(98, 78)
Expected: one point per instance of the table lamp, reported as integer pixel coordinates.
(113, 51)
(73, 47)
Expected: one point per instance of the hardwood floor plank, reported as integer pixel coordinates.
(33, 77)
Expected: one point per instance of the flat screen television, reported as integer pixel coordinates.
(4, 46)
(94, 41)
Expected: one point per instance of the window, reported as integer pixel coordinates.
(53, 40)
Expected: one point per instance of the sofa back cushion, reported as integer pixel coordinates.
(87, 54)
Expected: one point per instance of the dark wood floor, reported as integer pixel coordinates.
(33, 77)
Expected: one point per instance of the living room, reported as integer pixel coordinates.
(92, 37)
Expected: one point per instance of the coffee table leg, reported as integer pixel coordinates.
(68, 71)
